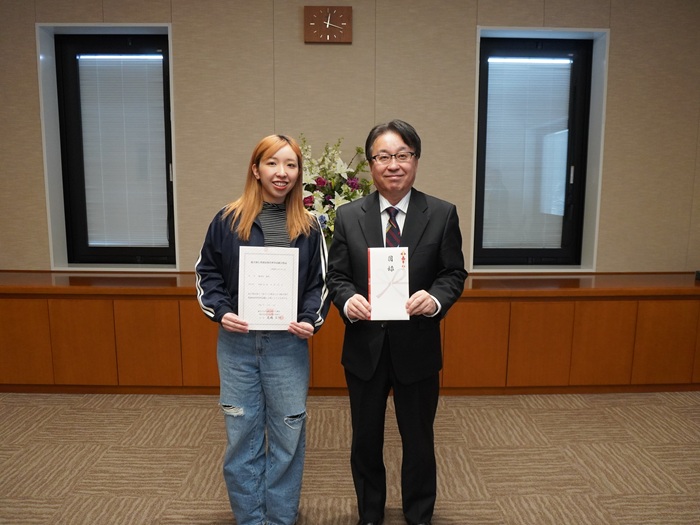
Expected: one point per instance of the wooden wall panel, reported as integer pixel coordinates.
(326, 349)
(696, 368)
(540, 343)
(603, 344)
(605, 332)
(198, 335)
(82, 339)
(476, 344)
(25, 342)
(666, 341)
(148, 342)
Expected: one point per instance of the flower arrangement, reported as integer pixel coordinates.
(329, 182)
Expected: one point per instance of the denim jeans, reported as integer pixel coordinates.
(264, 383)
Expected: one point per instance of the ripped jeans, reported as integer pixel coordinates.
(264, 383)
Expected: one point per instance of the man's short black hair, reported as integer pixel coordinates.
(407, 133)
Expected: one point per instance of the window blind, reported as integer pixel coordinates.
(122, 105)
(526, 152)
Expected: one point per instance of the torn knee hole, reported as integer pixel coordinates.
(295, 420)
(231, 410)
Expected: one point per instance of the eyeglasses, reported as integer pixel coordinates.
(401, 156)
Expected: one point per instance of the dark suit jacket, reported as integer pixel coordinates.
(436, 264)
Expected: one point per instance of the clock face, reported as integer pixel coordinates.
(328, 24)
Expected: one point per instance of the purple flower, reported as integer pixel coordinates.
(354, 183)
(321, 182)
(309, 201)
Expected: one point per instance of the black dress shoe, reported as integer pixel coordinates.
(378, 522)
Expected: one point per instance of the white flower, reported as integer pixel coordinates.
(329, 182)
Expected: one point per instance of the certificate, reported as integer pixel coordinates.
(268, 286)
(387, 269)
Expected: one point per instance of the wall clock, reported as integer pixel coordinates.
(325, 24)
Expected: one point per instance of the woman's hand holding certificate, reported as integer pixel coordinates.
(268, 287)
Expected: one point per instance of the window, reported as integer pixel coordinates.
(113, 101)
(532, 150)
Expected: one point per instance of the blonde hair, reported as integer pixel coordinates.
(247, 207)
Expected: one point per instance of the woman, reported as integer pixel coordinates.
(264, 375)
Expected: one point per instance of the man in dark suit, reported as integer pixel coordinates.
(403, 356)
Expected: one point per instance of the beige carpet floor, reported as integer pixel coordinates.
(619, 459)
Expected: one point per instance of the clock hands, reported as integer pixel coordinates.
(328, 23)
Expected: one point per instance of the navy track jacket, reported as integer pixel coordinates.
(218, 265)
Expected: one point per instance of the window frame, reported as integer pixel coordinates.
(78, 250)
(571, 252)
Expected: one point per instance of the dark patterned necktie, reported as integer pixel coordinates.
(393, 233)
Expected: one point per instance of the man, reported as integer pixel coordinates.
(405, 356)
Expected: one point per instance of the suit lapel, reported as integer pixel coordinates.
(416, 221)
(371, 222)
